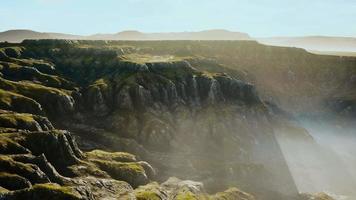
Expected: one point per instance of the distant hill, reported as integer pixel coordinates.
(201, 35)
(314, 43)
(20, 35)
(345, 46)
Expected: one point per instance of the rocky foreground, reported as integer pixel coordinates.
(139, 120)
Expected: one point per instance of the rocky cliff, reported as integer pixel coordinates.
(184, 119)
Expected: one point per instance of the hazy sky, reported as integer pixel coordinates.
(257, 17)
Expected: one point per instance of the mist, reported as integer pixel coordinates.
(324, 162)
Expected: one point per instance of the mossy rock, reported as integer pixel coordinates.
(147, 195)
(56, 145)
(19, 103)
(8, 146)
(54, 101)
(13, 181)
(46, 191)
(24, 121)
(29, 171)
(187, 195)
(111, 156)
(131, 172)
(151, 191)
(232, 194)
(17, 72)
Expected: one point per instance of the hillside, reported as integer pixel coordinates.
(130, 116)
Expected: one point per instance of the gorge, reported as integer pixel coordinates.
(175, 120)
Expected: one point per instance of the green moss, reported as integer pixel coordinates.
(18, 72)
(109, 156)
(150, 191)
(30, 89)
(232, 194)
(146, 195)
(7, 97)
(19, 121)
(186, 195)
(54, 187)
(28, 171)
(85, 168)
(131, 172)
(46, 191)
(52, 99)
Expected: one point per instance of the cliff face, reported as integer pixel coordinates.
(211, 127)
(39, 161)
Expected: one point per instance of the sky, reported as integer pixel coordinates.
(259, 18)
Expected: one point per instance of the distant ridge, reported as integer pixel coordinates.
(218, 34)
(21, 34)
(314, 43)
